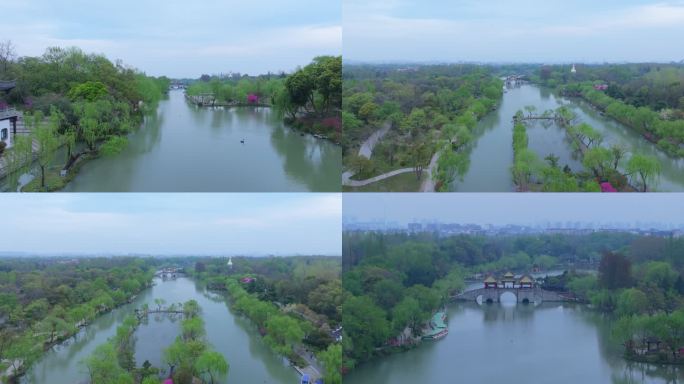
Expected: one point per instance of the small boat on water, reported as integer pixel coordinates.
(437, 335)
(438, 327)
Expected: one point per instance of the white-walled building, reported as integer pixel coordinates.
(8, 116)
(6, 131)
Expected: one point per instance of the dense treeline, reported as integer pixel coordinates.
(390, 297)
(649, 98)
(643, 288)
(310, 97)
(472, 251)
(396, 281)
(428, 109)
(654, 85)
(238, 89)
(91, 105)
(295, 302)
(44, 301)
(313, 282)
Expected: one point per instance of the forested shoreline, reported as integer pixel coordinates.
(648, 97)
(309, 99)
(46, 301)
(295, 303)
(75, 106)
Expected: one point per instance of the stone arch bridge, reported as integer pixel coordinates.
(522, 295)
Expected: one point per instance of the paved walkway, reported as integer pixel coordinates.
(313, 369)
(366, 149)
(360, 183)
(429, 183)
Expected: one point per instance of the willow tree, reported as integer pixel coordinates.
(212, 365)
(47, 139)
(646, 168)
(599, 160)
(103, 366)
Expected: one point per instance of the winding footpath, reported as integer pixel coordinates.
(428, 184)
(366, 150)
(360, 183)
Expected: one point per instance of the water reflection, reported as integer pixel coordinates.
(249, 358)
(491, 154)
(187, 148)
(508, 342)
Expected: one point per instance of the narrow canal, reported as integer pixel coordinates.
(509, 343)
(185, 148)
(492, 153)
(251, 361)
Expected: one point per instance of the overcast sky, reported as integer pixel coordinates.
(513, 30)
(180, 38)
(514, 208)
(190, 223)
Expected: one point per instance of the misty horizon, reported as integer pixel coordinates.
(500, 62)
(515, 209)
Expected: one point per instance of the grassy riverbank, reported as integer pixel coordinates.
(54, 181)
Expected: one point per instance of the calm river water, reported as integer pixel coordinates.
(505, 343)
(250, 360)
(492, 153)
(187, 148)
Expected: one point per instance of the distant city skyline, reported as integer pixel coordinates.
(513, 31)
(517, 209)
(177, 38)
(255, 224)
